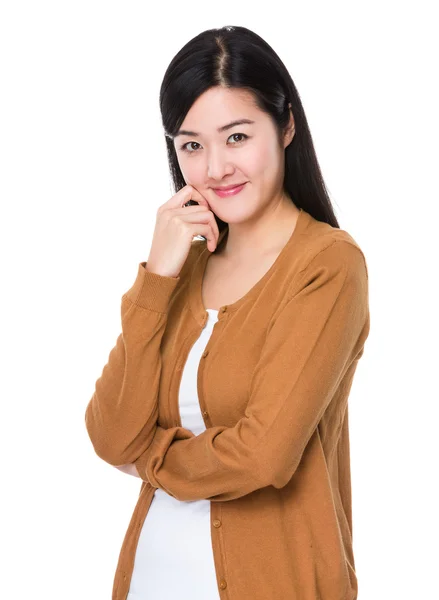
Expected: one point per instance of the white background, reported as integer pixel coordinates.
(83, 171)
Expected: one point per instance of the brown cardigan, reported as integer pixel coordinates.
(273, 387)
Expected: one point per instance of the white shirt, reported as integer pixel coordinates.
(174, 551)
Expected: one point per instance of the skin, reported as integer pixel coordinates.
(262, 216)
(129, 470)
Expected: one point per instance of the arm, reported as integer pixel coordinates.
(122, 414)
(309, 348)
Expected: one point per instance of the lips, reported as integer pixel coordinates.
(229, 191)
(226, 188)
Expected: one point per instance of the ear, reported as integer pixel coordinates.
(290, 129)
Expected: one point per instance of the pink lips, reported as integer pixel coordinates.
(229, 192)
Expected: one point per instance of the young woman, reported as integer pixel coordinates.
(227, 390)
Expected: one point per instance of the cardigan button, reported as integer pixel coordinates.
(205, 413)
(223, 309)
(205, 353)
(223, 584)
(217, 523)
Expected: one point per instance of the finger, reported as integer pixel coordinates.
(178, 199)
(201, 217)
(204, 202)
(214, 225)
(199, 213)
(205, 229)
(196, 195)
(186, 193)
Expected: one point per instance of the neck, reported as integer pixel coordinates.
(268, 234)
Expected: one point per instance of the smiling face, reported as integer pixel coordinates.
(212, 155)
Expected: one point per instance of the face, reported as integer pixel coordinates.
(249, 152)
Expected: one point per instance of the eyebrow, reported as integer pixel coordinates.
(220, 129)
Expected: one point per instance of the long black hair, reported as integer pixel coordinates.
(236, 57)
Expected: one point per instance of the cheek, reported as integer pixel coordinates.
(192, 171)
(258, 162)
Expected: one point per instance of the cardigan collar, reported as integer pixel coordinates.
(195, 285)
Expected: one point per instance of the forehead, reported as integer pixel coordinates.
(219, 109)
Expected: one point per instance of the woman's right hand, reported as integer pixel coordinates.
(176, 226)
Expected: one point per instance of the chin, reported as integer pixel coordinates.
(235, 216)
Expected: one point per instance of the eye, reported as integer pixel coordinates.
(238, 134)
(186, 146)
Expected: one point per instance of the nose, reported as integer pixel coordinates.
(218, 166)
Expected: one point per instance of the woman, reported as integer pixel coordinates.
(227, 390)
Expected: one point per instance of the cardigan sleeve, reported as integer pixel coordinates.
(318, 334)
(122, 414)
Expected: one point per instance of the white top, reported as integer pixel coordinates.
(174, 557)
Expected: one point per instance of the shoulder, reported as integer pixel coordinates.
(326, 256)
(322, 245)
